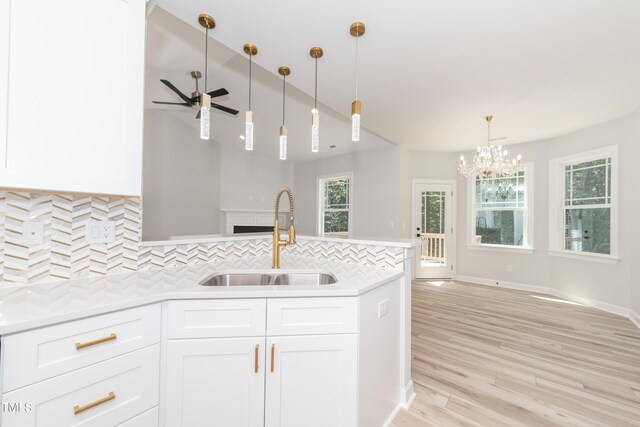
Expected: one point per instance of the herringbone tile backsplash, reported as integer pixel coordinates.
(65, 253)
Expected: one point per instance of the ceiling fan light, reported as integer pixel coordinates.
(205, 110)
(248, 131)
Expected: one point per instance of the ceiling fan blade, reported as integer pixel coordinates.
(175, 89)
(198, 115)
(172, 103)
(225, 109)
(214, 94)
(218, 92)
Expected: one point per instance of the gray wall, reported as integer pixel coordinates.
(376, 195)
(181, 179)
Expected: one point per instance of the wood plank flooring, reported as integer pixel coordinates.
(485, 356)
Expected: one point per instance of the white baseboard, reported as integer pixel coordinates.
(407, 395)
(389, 420)
(611, 308)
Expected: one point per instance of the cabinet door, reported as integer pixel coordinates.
(75, 96)
(215, 382)
(311, 381)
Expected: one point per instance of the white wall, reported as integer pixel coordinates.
(181, 179)
(589, 280)
(250, 181)
(376, 195)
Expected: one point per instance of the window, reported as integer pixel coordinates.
(585, 205)
(501, 210)
(335, 205)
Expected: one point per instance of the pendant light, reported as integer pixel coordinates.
(284, 72)
(356, 30)
(205, 102)
(250, 50)
(315, 52)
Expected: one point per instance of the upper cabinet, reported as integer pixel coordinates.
(72, 86)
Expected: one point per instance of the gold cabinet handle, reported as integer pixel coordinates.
(80, 346)
(80, 409)
(256, 363)
(273, 351)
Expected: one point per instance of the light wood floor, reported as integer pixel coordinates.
(485, 356)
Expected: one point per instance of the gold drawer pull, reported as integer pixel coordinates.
(257, 350)
(80, 409)
(80, 346)
(273, 350)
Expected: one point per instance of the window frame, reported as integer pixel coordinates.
(320, 201)
(557, 206)
(528, 230)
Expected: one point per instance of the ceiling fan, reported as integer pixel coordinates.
(194, 101)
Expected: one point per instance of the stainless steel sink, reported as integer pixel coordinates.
(263, 279)
(304, 279)
(239, 279)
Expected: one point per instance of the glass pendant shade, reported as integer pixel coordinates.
(205, 111)
(283, 143)
(248, 131)
(355, 120)
(315, 130)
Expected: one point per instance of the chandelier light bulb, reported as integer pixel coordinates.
(205, 111)
(283, 143)
(315, 130)
(248, 131)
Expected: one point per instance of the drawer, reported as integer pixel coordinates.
(217, 318)
(151, 418)
(43, 353)
(105, 394)
(305, 316)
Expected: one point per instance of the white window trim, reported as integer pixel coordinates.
(528, 217)
(556, 205)
(319, 180)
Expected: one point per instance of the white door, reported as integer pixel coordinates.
(311, 381)
(215, 382)
(433, 224)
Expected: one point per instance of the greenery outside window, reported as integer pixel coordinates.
(335, 205)
(582, 216)
(501, 210)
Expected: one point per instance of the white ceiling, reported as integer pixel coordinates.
(431, 70)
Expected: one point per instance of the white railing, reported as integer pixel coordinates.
(432, 247)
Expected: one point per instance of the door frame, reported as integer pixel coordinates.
(454, 220)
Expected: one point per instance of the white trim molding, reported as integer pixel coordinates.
(584, 256)
(501, 248)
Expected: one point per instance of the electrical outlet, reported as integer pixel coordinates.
(101, 231)
(33, 233)
(509, 268)
(383, 308)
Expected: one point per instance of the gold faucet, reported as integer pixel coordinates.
(277, 242)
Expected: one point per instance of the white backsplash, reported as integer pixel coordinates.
(65, 254)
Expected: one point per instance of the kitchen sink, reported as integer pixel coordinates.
(264, 279)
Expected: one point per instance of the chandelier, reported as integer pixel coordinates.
(489, 161)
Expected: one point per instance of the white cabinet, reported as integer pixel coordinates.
(104, 394)
(72, 74)
(215, 382)
(310, 380)
(313, 381)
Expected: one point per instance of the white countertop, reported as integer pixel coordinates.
(365, 240)
(32, 306)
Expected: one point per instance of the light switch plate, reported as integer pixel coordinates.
(33, 233)
(101, 231)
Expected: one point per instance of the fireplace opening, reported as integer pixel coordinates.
(239, 229)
